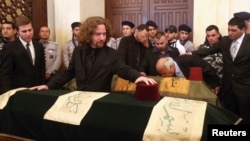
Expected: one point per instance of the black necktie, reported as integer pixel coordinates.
(29, 53)
(90, 58)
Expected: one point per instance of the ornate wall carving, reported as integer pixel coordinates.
(10, 9)
(36, 10)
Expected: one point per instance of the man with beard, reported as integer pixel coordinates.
(93, 64)
(160, 50)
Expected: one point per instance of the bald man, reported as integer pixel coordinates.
(179, 67)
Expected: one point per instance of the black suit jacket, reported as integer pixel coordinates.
(236, 74)
(150, 59)
(209, 73)
(17, 70)
(107, 63)
(131, 51)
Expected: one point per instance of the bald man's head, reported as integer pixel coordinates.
(165, 67)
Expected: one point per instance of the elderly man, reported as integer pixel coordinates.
(180, 67)
(160, 50)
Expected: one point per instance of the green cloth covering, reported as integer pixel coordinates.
(198, 90)
(114, 117)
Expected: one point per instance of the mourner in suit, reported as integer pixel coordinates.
(180, 67)
(93, 64)
(22, 66)
(235, 49)
(161, 49)
(132, 48)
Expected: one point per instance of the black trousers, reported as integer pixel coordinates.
(237, 104)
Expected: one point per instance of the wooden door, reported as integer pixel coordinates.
(163, 12)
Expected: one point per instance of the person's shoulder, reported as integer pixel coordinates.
(53, 43)
(68, 42)
(225, 38)
(119, 38)
(190, 42)
(248, 36)
(112, 39)
(201, 46)
(127, 37)
(108, 48)
(37, 43)
(15, 43)
(178, 42)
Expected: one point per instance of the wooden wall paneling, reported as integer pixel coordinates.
(119, 10)
(163, 12)
(175, 12)
(39, 16)
(36, 10)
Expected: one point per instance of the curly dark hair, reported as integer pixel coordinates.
(88, 27)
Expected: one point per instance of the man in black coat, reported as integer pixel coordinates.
(19, 68)
(93, 64)
(161, 49)
(132, 48)
(235, 88)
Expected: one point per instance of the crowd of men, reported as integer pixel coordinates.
(93, 56)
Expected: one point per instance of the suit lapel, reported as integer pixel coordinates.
(242, 47)
(25, 53)
(35, 52)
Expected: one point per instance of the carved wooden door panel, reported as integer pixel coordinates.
(120, 10)
(163, 12)
(171, 12)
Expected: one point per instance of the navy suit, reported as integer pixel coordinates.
(16, 69)
(235, 94)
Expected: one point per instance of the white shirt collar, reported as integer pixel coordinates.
(24, 42)
(240, 39)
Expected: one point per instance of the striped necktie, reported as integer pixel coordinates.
(233, 49)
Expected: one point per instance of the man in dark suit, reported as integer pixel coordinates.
(180, 67)
(22, 66)
(132, 48)
(235, 49)
(161, 49)
(93, 64)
